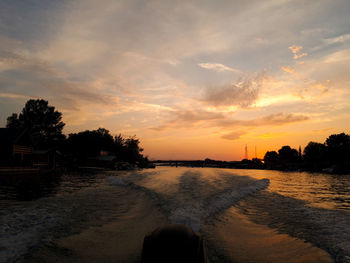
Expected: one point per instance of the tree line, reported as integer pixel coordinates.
(44, 125)
(331, 156)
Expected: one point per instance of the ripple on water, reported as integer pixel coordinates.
(309, 207)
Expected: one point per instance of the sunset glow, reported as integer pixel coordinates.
(191, 79)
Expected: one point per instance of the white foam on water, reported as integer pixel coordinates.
(43, 220)
(25, 228)
(197, 212)
(193, 202)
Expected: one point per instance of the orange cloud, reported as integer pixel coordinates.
(296, 56)
(272, 119)
(199, 118)
(288, 69)
(296, 50)
(233, 135)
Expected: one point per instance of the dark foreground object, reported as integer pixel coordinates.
(173, 243)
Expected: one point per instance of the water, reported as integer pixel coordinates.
(244, 215)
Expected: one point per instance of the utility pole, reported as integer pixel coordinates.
(256, 156)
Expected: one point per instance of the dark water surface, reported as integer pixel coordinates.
(244, 215)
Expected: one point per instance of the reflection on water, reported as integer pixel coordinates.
(14, 190)
(319, 190)
(54, 219)
(244, 241)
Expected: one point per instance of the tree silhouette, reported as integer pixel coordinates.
(44, 125)
(287, 154)
(133, 150)
(119, 142)
(89, 143)
(42, 121)
(338, 150)
(288, 158)
(315, 156)
(271, 158)
(13, 121)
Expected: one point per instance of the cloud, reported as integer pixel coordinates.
(28, 76)
(66, 92)
(336, 40)
(276, 119)
(156, 57)
(233, 135)
(7, 43)
(288, 69)
(243, 92)
(280, 119)
(183, 119)
(198, 115)
(10, 60)
(332, 42)
(188, 118)
(296, 50)
(297, 56)
(218, 67)
(13, 96)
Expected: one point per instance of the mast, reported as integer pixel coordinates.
(256, 156)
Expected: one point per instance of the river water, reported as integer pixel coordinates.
(243, 215)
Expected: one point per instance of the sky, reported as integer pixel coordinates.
(191, 79)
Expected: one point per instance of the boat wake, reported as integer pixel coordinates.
(197, 199)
